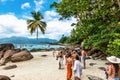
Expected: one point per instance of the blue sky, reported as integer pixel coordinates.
(14, 13)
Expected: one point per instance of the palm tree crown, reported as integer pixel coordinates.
(35, 23)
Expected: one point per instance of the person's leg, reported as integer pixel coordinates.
(59, 65)
(83, 61)
(84, 65)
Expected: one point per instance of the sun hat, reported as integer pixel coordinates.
(113, 59)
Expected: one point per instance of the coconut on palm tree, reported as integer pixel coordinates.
(36, 23)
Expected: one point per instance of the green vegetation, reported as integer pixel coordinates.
(97, 23)
(35, 23)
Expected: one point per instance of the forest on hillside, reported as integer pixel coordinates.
(98, 23)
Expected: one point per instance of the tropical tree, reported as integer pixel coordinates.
(36, 23)
(97, 24)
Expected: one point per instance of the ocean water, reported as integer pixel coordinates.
(36, 46)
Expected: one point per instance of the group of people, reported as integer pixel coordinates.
(75, 62)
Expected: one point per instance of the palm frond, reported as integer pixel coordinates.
(32, 27)
(43, 24)
(42, 29)
(37, 15)
(29, 21)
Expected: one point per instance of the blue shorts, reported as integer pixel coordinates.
(84, 58)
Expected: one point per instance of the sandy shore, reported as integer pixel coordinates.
(46, 68)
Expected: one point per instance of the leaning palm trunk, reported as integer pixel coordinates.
(37, 33)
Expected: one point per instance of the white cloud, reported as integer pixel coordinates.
(25, 5)
(55, 28)
(49, 15)
(3, 0)
(10, 25)
(38, 4)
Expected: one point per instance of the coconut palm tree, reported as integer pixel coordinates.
(36, 23)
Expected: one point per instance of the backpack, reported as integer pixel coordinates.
(79, 52)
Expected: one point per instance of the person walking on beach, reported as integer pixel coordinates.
(54, 53)
(83, 57)
(77, 68)
(69, 62)
(60, 59)
(113, 69)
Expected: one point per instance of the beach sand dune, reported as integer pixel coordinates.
(46, 68)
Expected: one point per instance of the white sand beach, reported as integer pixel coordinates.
(46, 68)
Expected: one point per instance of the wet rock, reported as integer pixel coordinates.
(96, 55)
(21, 56)
(12, 76)
(1, 54)
(102, 68)
(92, 51)
(4, 47)
(10, 67)
(6, 57)
(91, 77)
(107, 63)
(91, 64)
(88, 57)
(3, 77)
(44, 55)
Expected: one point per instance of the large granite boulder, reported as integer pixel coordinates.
(10, 67)
(4, 47)
(21, 56)
(3, 77)
(6, 56)
(1, 54)
(8, 53)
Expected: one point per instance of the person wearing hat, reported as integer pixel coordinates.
(113, 68)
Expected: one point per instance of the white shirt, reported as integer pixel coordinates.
(78, 66)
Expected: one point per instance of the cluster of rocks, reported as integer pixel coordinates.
(96, 54)
(8, 53)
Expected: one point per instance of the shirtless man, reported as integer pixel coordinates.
(83, 57)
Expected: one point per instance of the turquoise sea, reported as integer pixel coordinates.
(36, 46)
